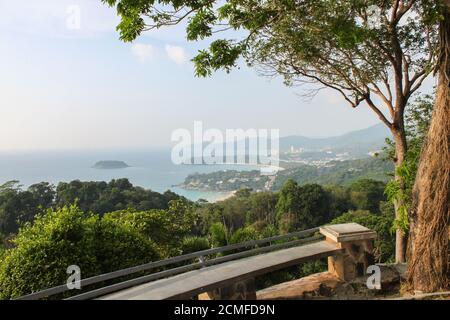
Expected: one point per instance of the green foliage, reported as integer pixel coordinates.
(222, 54)
(193, 244)
(399, 190)
(242, 181)
(199, 26)
(366, 194)
(302, 207)
(113, 240)
(243, 192)
(291, 273)
(2, 249)
(165, 228)
(342, 173)
(340, 199)
(381, 223)
(262, 207)
(312, 267)
(68, 236)
(243, 235)
(269, 231)
(118, 194)
(18, 206)
(218, 234)
(275, 278)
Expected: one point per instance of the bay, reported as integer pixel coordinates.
(151, 169)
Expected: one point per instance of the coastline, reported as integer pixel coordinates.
(226, 196)
(208, 195)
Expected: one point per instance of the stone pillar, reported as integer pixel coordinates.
(242, 290)
(358, 244)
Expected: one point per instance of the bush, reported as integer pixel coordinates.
(166, 228)
(381, 223)
(366, 194)
(243, 235)
(154, 225)
(194, 244)
(219, 234)
(67, 237)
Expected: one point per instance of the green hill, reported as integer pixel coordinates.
(337, 172)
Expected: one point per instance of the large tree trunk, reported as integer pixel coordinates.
(428, 256)
(400, 154)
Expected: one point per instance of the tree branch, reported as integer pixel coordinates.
(378, 111)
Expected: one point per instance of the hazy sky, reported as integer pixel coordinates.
(82, 89)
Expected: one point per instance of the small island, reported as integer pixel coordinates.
(110, 164)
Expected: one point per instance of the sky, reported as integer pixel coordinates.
(68, 82)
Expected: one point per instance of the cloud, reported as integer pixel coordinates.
(143, 52)
(176, 54)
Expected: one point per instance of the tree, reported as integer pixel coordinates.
(302, 207)
(218, 234)
(262, 208)
(18, 206)
(418, 119)
(234, 212)
(375, 51)
(43, 194)
(65, 237)
(287, 205)
(366, 194)
(165, 228)
(243, 235)
(340, 200)
(428, 250)
(118, 194)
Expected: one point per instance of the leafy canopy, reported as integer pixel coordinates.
(64, 237)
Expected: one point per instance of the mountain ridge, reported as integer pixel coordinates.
(358, 142)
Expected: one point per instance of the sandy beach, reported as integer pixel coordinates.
(223, 197)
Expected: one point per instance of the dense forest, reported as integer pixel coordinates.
(103, 226)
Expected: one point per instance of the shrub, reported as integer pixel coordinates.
(381, 223)
(194, 244)
(244, 234)
(64, 237)
(219, 234)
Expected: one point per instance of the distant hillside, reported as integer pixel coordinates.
(359, 142)
(337, 172)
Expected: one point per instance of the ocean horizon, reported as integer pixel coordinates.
(150, 169)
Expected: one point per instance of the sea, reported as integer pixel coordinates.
(152, 169)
